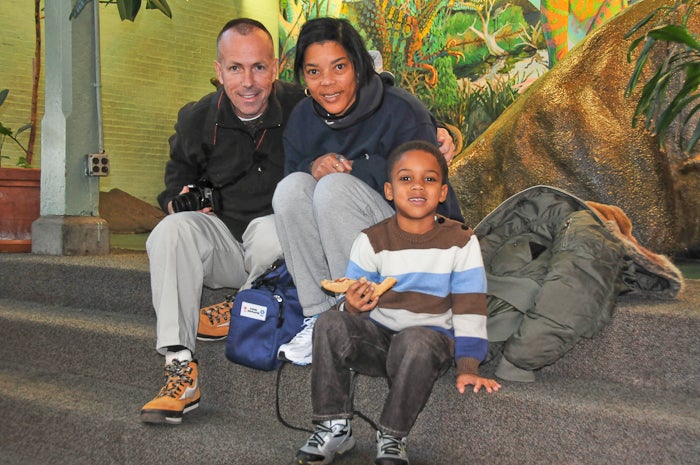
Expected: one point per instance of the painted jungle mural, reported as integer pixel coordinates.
(466, 60)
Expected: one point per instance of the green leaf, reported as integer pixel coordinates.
(161, 5)
(23, 128)
(640, 24)
(632, 47)
(3, 95)
(128, 9)
(5, 131)
(641, 61)
(675, 33)
(696, 134)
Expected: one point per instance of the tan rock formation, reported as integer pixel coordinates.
(572, 129)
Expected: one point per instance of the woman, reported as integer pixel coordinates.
(336, 144)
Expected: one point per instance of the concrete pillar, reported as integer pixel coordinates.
(69, 223)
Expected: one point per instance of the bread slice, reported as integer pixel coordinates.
(341, 285)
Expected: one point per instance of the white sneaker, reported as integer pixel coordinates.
(298, 350)
(330, 438)
(390, 450)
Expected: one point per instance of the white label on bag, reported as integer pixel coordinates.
(254, 311)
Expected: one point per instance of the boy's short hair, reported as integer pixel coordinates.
(417, 145)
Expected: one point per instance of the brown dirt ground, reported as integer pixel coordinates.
(127, 214)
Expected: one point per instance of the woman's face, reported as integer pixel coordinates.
(330, 76)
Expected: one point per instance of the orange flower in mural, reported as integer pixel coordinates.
(566, 22)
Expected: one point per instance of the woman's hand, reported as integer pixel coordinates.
(358, 297)
(330, 163)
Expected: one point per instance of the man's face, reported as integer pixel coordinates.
(247, 69)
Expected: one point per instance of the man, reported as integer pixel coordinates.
(231, 140)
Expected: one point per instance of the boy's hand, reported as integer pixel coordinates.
(464, 380)
(358, 297)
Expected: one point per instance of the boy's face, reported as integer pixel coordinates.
(416, 187)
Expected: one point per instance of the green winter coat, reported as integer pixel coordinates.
(554, 273)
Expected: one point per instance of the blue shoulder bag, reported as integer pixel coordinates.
(263, 318)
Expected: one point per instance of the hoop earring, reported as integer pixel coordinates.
(307, 93)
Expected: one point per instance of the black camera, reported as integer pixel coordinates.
(200, 196)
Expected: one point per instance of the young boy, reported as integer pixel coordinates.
(436, 313)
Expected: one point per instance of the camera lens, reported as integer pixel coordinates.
(186, 202)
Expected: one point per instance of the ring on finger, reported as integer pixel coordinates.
(336, 165)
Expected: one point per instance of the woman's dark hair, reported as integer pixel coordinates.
(417, 145)
(320, 30)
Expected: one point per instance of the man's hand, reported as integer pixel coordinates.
(447, 145)
(330, 163)
(464, 380)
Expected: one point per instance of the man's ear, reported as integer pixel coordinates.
(388, 191)
(443, 193)
(217, 66)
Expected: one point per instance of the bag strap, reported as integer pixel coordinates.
(265, 279)
(353, 381)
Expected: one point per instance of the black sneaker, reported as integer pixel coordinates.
(390, 450)
(330, 438)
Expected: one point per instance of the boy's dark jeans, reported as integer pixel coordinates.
(412, 360)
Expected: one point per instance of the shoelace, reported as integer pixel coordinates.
(391, 445)
(177, 374)
(214, 313)
(316, 439)
(308, 325)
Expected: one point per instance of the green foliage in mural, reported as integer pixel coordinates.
(473, 50)
(293, 15)
(463, 59)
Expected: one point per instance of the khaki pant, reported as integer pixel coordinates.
(189, 250)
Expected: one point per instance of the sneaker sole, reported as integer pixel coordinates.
(344, 447)
(167, 416)
(284, 358)
(204, 337)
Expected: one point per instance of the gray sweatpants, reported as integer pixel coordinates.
(189, 250)
(317, 223)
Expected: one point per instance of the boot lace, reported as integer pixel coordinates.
(317, 438)
(178, 374)
(219, 312)
(391, 445)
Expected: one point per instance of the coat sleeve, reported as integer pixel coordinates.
(187, 157)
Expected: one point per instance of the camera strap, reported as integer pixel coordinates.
(257, 156)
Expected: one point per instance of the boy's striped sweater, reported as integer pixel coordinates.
(441, 282)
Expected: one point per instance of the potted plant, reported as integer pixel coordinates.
(20, 184)
(19, 192)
